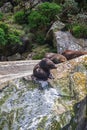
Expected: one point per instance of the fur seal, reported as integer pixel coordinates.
(42, 69)
(47, 64)
(56, 58)
(39, 73)
(70, 54)
(49, 55)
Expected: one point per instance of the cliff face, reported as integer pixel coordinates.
(61, 105)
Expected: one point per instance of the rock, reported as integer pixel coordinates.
(14, 57)
(65, 41)
(62, 104)
(6, 8)
(3, 58)
(81, 18)
(73, 73)
(71, 79)
(26, 43)
(29, 56)
(56, 26)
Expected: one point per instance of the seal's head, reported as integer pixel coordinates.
(47, 64)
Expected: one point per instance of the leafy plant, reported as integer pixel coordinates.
(49, 10)
(40, 38)
(12, 38)
(4, 27)
(8, 36)
(43, 15)
(36, 20)
(2, 37)
(79, 30)
(19, 17)
(1, 16)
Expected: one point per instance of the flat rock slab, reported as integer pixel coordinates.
(16, 69)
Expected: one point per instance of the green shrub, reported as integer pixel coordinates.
(40, 38)
(49, 10)
(19, 17)
(79, 30)
(1, 16)
(12, 38)
(9, 37)
(2, 37)
(4, 27)
(36, 20)
(43, 16)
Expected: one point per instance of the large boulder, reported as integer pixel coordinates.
(62, 104)
(64, 39)
(6, 8)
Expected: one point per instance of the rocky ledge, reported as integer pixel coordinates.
(65, 100)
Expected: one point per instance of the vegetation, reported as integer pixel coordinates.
(42, 49)
(1, 16)
(36, 19)
(70, 6)
(19, 17)
(7, 36)
(44, 15)
(79, 30)
(2, 37)
(4, 27)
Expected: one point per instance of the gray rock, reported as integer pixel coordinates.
(65, 40)
(56, 26)
(7, 7)
(25, 106)
(14, 57)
